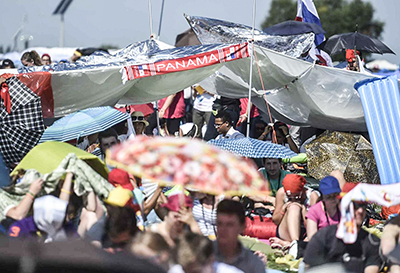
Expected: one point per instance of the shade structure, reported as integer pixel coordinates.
(380, 100)
(253, 148)
(293, 28)
(21, 120)
(187, 162)
(83, 123)
(47, 156)
(354, 40)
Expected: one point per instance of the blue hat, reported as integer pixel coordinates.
(329, 185)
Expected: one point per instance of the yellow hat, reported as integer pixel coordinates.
(120, 197)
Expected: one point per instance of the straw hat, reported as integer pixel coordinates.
(138, 116)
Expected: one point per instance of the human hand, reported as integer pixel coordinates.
(284, 129)
(186, 215)
(2, 80)
(36, 186)
(262, 256)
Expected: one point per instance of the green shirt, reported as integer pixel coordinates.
(274, 184)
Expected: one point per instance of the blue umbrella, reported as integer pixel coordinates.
(293, 27)
(253, 148)
(83, 123)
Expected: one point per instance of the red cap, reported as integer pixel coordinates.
(174, 202)
(293, 183)
(350, 56)
(120, 177)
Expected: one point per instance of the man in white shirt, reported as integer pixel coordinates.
(223, 124)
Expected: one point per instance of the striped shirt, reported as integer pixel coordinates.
(205, 218)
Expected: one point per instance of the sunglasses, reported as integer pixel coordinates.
(139, 118)
(218, 125)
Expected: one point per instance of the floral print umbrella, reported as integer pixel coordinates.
(191, 163)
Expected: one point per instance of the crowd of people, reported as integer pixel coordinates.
(185, 230)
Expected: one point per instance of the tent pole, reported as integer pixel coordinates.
(150, 19)
(251, 69)
(161, 15)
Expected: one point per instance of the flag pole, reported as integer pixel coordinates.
(251, 69)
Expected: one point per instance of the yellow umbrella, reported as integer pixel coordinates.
(47, 156)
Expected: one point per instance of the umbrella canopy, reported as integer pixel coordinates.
(47, 156)
(70, 256)
(253, 148)
(83, 123)
(293, 27)
(191, 163)
(340, 42)
(350, 153)
(21, 120)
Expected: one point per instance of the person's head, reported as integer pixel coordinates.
(151, 246)
(273, 167)
(139, 122)
(223, 122)
(174, 204)
(7, 64)
(107, 139)
(77, 55)
(46, 59)
(360, 211)
(194, 253)
(280, 136)
(31, 58)
(352, 59)
(188, 130)
(63, 61)
(330, 189)
(293, 185)
(230, 221)
(259, 128)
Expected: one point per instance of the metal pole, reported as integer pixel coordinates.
(161, 15)
(151, 19)
(251, 69)
(62, 31)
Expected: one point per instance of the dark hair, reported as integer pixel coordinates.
(192, 248)
(32, 56)
(120, 219)
(278, 124)
(225, 116)
(279, 159)
(107, 133)
(7, 62)
(228, 206)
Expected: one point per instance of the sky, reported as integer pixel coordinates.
(122, 22)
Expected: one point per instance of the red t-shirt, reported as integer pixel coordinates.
(177, 107)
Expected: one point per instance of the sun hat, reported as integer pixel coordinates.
(138, 116)
(293, 183)
(120, 177)
(174, 202)
(328, 185)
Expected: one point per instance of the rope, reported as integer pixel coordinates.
(265, 97)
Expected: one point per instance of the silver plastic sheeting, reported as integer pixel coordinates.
(148, 51)
(299, 93)
(213, 31)
(96, 80)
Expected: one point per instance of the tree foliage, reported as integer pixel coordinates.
(337, 16)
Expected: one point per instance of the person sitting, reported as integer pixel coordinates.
(228, 249)
(325, 212)
(151, 246)
(46, 59)
(139, 122)
(31, 58)
(223, 124)
(353, 63)
(274, 174)
(205, 212)
(389, 241)
(115, 230)
(179, 215)
(194, 254)
(361, 256)
(292, 203)
(107, 139)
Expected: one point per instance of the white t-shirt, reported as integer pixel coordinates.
(204, 102)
